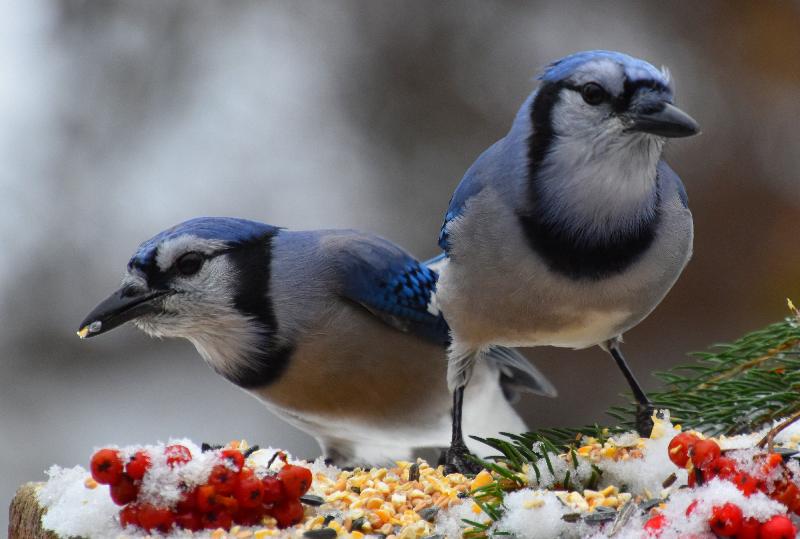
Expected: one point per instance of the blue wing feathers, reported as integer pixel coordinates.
(394, 287)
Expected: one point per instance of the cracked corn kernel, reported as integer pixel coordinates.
(90, 483)
(608, 452)
(533, 504)
(481, 480)
(609, 490)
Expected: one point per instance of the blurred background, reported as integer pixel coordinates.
(121, 118)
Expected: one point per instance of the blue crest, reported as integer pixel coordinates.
(635, 69)
(227, 229)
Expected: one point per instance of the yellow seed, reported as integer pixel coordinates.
(235, 529)
(335, 526)
(261, 534)
(585, 450)
(533, 504)
(384, 515)
(481, 480)
(244, 534)
(398, 499)
(476, 508)
(611, 501)
(90, 483)
(357, 535)
(589, 494)
(608, 452)
(219, 533)
(374, 503)
(609, 490)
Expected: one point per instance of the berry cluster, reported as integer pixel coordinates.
(704, 461)
(233, 493)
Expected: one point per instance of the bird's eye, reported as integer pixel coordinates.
(593, 93)
(189, 264)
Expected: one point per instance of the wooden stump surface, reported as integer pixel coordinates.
(25, 515)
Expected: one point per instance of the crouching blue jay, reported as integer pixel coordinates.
(571, 229)
(335, 331)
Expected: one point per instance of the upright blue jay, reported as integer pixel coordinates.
(333, 330)
(571, 229)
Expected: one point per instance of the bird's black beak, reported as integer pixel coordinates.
(123, 305)
(669, 121)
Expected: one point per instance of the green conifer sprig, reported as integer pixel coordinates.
(733, 388)
(730, 389)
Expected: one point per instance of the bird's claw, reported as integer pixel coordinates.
(457, 460)
(644, 418)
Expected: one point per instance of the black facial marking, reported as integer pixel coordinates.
(252, 298)
(623, 102)
(189, 263)
(565, 251)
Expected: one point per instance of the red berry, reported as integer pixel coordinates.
(679, 448)
(773, 461)
(188, 521)
(746, 483)
(138, 465)
(703, 452)
(233, 458)
(655, 524)
(124, 491)
(296, 480)
(216, 519)
(787, 493)
(223, 479)
(177, 455)
(273, 489)
(749, 530)
(726, 520)
(287, 512)
(155, 518)
(106, 466)
(129, 516)
(187, 503)
(722, 467)
(228, 504)
(249, 517)
(778, 527)
(250, 492)
(207, 498)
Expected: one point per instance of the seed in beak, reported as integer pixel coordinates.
(94, 327)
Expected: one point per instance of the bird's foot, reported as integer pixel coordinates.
(644, 418)
(456, 459)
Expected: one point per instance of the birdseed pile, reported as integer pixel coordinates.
(643, 487)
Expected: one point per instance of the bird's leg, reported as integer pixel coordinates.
(644, 408)
(456, 458)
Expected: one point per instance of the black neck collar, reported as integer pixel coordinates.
(565, 251)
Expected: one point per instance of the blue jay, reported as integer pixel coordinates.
(333, 330)
(571, 229)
